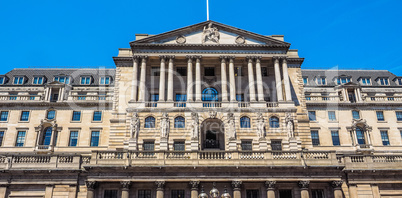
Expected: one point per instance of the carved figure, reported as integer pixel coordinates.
(210, 34)
(135, 125)
(165, 125)
(232, 127)
(289, 125)
(212, 114)
(195, 126)
(260, 125)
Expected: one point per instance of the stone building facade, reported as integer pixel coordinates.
(208, 106)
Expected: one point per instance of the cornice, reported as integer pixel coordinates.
(134, 45)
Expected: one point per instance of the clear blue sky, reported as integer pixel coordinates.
(345, 33)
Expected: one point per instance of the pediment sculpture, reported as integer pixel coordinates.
(210, 34)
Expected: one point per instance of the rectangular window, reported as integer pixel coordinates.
(110, 194)
(383, 81)
(2, 80)
(104, 80)
(315, 138)
(97, 116)
(342, 80)
(311, 116)
(181, 97)
(154, 97)
(62, 79)
(19, 80)
(285, 193)
(321, 81)
(1, 137)
(148, 146)
(276, 145)
(177, 194)
(238, 71)
(20, 139)
(380, 116)
(4, 116)
(95, 138)
(365, 81)
(76, 116)
(209, 71)
(317, 193)
(399, 80)
(155, 71)
(384, 138)
(179, 146)
(264, 71)
(399, 115)
(144, 193)
(335, 138)
(24, 116)
(305, 80)
(356, 115)
(85, 80)
(73, 138)
(82, 96)
(331, 115)
(240, 97)
(38, 80)
(182, 71)
(246, 146)
(252, 194)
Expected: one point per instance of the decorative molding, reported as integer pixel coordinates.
(194, 185)
(270, 184)
(304, 184)
(240, 40)
(236, 185)
(181, 39)
(337, 184)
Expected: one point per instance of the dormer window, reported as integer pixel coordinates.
(365, 81)
(85, 80)
(19, 80)
(305, 80)
(399, 81)
(383, 81)
(62, 79)
(342, 80)
(37, 80)
(104, 80)
(2, 80)
(321, 81)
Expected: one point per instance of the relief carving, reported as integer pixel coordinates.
(210, 34)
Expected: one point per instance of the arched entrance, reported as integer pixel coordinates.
(212, 134)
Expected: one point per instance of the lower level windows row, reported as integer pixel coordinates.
(360, 138)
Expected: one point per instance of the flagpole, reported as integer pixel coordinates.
(207, 11)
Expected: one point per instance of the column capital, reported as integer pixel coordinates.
(223, 59)
(190, 57)
(136, 58)
(197, 57)
(236, 185)
(160, 185)
(337, 184)
(91, 185)
(194, 185)
(270, 184)
(125, 185)
(304, 184)
(170, 57)
(162, 57)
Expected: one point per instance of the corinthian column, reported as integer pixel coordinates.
(162, 79)
(170, 80)
(125, 189)
(223, 79)
(270, 188)
(278, 79)
(304, 188)
(232, 79)
(190, 79)
(141, 95)
(194, 188)
(198, 78)
(91, 185)
(286, 80)
(135, 80)
(260, 88)
(236, 189)
(337, 185)
(160, 185)
(251, 79)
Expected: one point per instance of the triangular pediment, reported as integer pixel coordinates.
(210, 33)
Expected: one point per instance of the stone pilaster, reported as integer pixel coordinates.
(160, 187)
(3, 190)
(353, 191)
(337, 185)
(304, 188)
(91, 185)
(270, 188)
(236, 185)
(125, 189)
(194, 188)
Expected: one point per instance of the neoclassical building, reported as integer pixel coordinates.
(206, 110)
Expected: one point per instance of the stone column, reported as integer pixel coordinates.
(232, 80)
(170, 80)
(337, 185)
(162, 81)
(190, 79)
(304, 188)
(260, 87)
(286, 79)
(141, 94)
(125, 189)
(198, 79)
(270, 188)
(353, 191)
(278, 79)
(236, 189)
(194, 188)
(3, 190)
(224, 81)
(134, 84)
(160, 185)
(91, 185)
(251, 79)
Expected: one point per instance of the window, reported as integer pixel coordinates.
(4, 116)
(399, 80)
(274, 122)
(33, 96)
(276, 145)
(399, 115)
(76, 116)
(179, 146)
(179, 122)
(384, 138)
(24, 116)
(38, 80)
(51, 114)
(383, 81)
(210, 94)
(360, 136)
(104, 80)
(356, 115)
(246, 145)
(264, 71)
(317, 193)
(335, 138)
(380, 116)
(181, 98)
(110, 193)
(365, 81)
(20, 139)
(154, 97)
(182, 71)
(315, 138)
(238, 71)
(1, 137)
(149, 122)
(18, 80)
(102, 96)
(82, 96)
(95, 138)
(342, 80)
(144, 193)
(85, 80)
(311, 116)
(73, 138)
(321, 81)
(62, 79)
(148, 146)
(285, 193)
(155, 71)
(209, 71)
(305, 80)
(13, 96)
(177, 194)
(331, 115)
(240, 97)
(47, 136)
(252, 194)
(244, 122)
(97, 116)
(2, 80)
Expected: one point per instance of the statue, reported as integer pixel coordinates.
(260, 126)
(289, 125)
(210, 34)
(135, 125)
(232, 127)
(165, 125)
(194, 134)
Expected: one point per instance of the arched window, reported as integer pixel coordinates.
(360, 136)
(149, 122)
(51, 114)
(210, 94)
(274, 122)
(244, 122)
(47, 136)
(179, 122)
